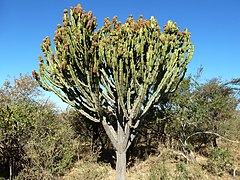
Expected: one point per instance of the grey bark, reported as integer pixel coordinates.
(11, 169)
(121, 165)
(120, 141)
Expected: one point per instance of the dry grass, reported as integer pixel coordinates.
(89, 170)
(168, 165)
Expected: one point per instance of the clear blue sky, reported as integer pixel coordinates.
(214, 27)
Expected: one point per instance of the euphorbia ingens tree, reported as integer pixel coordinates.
(116, 74)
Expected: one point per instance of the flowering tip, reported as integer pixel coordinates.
(166, 28)
(78, 9)
(94, 69)
(63, 65)
(89, 14)
(156, 33)
(179, 33)
(52, 55)
(40, 58)
(89, 24)
(79, 6)
(106, 19)
(115, 19)
(34, 74)
(65, 23)
(163, 39)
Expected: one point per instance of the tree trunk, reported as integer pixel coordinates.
(11, 169)
(120, 142)
(121, 166)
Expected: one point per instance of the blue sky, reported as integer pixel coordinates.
(214, 27)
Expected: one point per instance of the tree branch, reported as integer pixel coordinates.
(207, 132)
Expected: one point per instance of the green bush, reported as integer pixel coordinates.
(219, 161)
(158, 170)
(50, 150)
(182, 171)
(196, 108)
(18, 112)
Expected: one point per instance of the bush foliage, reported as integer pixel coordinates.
(36, 141)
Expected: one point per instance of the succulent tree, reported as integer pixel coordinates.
(116, 74)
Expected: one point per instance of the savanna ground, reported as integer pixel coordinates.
(210, 163)
(38, 142)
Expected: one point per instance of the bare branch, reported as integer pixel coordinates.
(213, 133)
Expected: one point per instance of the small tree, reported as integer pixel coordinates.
(197, 112)
(17, 115)
(116, 74)
(218, 103)
(50, 149)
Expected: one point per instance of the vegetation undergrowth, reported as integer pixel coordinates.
(38, 142)
(166, 164)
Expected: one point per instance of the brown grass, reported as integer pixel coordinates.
(169, 164)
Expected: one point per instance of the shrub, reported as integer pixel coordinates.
(50, 150)
(197, 108)
(17, 117)
(219, 161)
